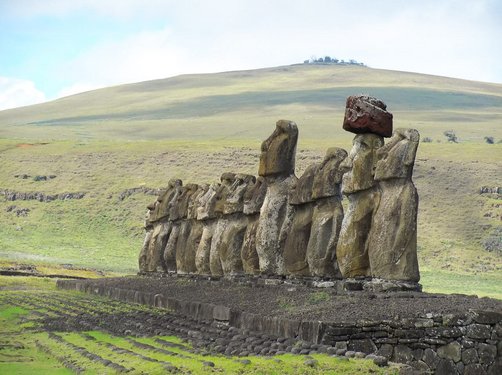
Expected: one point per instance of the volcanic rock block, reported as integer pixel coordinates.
(327, 216)
(365, 114)
(278, 151)
(301, 208)
(277, 162)
(393, 236)
(358, 185)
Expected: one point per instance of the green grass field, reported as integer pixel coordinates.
(196, 127)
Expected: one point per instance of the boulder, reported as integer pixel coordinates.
(366, 114)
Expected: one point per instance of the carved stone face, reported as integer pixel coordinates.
(278, 151)
(227, 179)
(329, 175)
(301, 191)
(235, 197)
(254, 196)
(360, 163)
(207, 203)
(397, 158)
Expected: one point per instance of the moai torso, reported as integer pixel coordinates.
(327, 216)
(393, 235)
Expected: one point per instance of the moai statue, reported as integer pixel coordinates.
(227, 181)
(159, 218)
(173, 209)
(143, 255)
(298, 223)
(207, 215)
(327, 217)
(253, 200)
(368, 118)
(393, 236)
(277, 165)
(185, 259)
(233, 226)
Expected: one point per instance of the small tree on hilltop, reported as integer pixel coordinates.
(451, 136)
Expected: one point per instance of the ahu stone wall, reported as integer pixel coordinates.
(282, 225)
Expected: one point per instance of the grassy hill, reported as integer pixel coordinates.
(196, 127)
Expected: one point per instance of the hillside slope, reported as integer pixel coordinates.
(117, 145)
(241, 104)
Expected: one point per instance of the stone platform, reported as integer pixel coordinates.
(430, 332)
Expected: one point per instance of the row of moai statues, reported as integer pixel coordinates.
(281, 225)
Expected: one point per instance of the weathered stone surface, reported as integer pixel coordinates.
(470, 356)
(295, 247)
(301, 192)
(278, 151)
(496, 368)
(227, 179)
(160, 209)
(187, 245)
(329, 174)
(474, 369)
(365, 346)
(204, 248)
(352, 247)
(450, 351)
(487, 353)
(143, 255)
(365, 114)
(249, 256)
(402, 354)
(194, 202)
(207, 203)
(156, 246)
(321, 249)
(478, 331)
(393, 236)
(235, 198)
(254, 197)
(273, 225)
(169, 254)
(359, 186)
(225, 255)
(446, 367)
(487, 317)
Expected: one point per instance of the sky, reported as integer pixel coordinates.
(54, 48)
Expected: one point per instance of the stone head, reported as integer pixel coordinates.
(301, 190)
(359, 165)
(278, 151)
(193, 203)
(329, 175)
(254, 196)
(184, 198)
(163, 201)
(207, 202)
(397, 158)
(227, 180)
(235, 197)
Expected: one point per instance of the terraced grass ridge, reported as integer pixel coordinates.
(30, 341)
(83, 168)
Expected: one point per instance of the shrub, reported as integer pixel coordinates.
(489, 140)
(427, 140)
(451, 136)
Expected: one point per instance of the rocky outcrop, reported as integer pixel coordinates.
(11, 195)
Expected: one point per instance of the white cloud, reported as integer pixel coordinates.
(18, 92)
